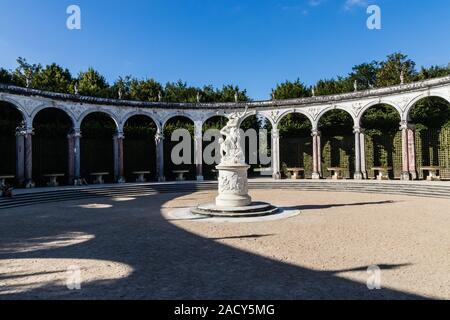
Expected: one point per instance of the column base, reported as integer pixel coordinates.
(276, 176)
(200, 178)
(77, 182)
(358, 176)
(121, 180)
(405, 176)
(29, 184)
(414, 175)
(161, 179)
(315, 176)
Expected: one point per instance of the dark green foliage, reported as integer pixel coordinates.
(291, 90)
(296, 125)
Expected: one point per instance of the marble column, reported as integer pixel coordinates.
(70, 159)
(119, 175)
(412, 152)
(29, 158)
(159, 142)
(317, 161)
(276, 154)
(358, 174)
(20, 155)
(198, 149)
(405, 151)
(362, 139)
(74, 157)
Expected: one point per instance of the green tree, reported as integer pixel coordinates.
(5, 76)
(333, 86)
(25, 72)
(365, 74)
(291, 90)
(228, 92)
(180, 92)
(433, 72)
(53, 78)
(391, 69)
(120, 88)
(145, 90)
(92, 83)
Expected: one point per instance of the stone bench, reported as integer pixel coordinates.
(336, 173)
(295, 173)
(180, 174)
(141, 175)
(3, 179)
(99, 177)
(433, 172)
(381, 173)
(53, 179)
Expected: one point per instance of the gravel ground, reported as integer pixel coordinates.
(132, 248)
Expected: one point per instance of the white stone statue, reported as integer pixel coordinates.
(230, 148)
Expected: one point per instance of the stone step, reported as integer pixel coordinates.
(149, 189)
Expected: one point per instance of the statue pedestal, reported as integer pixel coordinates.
(233, 199)
(233, 186)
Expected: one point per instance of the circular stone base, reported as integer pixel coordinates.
(255, 209)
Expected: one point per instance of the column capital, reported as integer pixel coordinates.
(74, 133)
(315, 133)
(406, 125)
(159, 137)
(357, 129)
(119, 135)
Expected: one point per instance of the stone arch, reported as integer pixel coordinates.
(299, 111)
(50, 106)
(375, 103)
(256, 113)
(175, 115)
(140, 113)
(104, 111)
(18, 107)
(331, 108)
(213, 115)
(416, 99)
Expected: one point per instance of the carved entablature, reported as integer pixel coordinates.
(31, 101)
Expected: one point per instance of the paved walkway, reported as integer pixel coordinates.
(131, 248)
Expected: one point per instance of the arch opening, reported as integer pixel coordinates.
(338, 143)
(50, 145)
(97, 150)
(382, 139)
(10, 119)
(139, 147)
(257, 144)
(296, 150)
(173, 165)
(431, 117)
(213, 123)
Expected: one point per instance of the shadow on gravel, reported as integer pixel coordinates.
(168, 262)
(333, 205)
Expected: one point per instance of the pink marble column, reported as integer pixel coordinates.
(412, 152)
(71, 158)
(29, 159)
(405, 151)
(118, 158)
(20, 155)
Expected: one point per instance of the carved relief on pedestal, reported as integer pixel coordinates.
(232, 182)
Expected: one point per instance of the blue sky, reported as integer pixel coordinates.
(255, 44)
